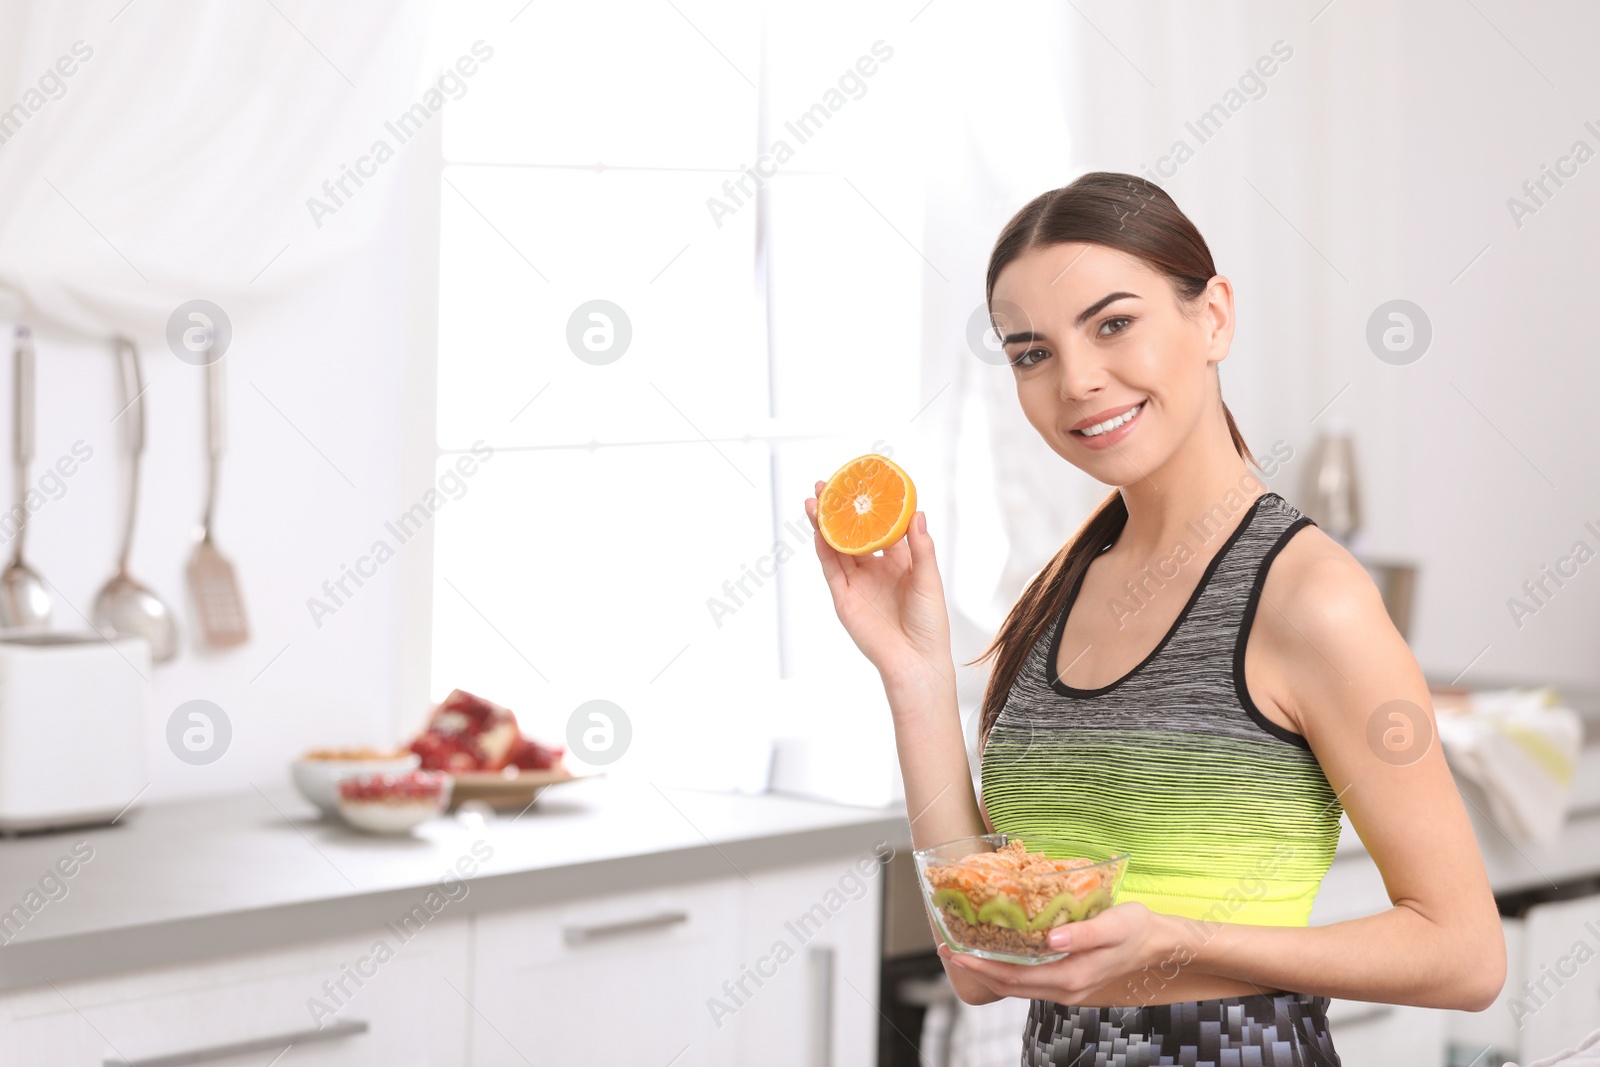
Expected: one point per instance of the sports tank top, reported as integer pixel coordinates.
(1226, 815)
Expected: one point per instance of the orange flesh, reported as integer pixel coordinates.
(866, 506)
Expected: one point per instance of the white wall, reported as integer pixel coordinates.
(1390, 142)
(333, 358)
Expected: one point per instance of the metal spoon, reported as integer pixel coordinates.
(124, 606)
(24, 600)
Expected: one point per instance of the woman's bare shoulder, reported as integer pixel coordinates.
(1324, 626)
(1316, 580)
(1319, 594)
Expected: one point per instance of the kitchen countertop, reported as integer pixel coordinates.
(186, 880)
(241, 872)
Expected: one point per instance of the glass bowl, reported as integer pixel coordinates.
(999, 895)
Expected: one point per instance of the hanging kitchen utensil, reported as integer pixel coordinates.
(211, 577)
(124, 606)
(24, 600)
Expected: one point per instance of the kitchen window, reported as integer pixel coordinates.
(638, 533)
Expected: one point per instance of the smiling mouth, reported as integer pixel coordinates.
(1111, 424)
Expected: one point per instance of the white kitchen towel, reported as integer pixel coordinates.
(1587, 1054)
(1520, 746)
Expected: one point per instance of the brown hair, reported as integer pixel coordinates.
(1134, 216)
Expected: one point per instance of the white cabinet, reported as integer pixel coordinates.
(780, 968)
(345, 1002)
(810, 936)
(618, 979)
(1556, 1004)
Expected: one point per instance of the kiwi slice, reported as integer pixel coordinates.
(955, 901)
(1062, 907)
(1097, 901)
(1004, 912)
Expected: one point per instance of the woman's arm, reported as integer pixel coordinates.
(1356, 693)
(939, 797)
(893, 607)
(1360, 699)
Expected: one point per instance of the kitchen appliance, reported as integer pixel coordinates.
(72, 728)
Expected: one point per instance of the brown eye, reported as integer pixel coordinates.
(1120, 321)
(1027, 360)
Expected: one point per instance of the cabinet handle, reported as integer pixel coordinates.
(820, 960)
(582, 935)
(348, 1028)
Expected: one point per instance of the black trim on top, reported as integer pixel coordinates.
(1282, 733)
(1205, 579)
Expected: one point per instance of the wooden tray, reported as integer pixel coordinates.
(512, 788)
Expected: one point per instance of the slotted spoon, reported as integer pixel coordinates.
(212, 580)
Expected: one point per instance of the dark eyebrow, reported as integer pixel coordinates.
(1028, 336)
(1088, 312)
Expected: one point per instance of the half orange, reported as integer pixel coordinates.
(867, 505)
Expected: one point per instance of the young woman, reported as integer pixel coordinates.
(1200, 677)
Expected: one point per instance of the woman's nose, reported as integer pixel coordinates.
(1079, 377)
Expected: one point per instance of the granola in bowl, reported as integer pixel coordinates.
(999, 897)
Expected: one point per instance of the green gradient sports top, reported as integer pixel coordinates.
(1227, 815)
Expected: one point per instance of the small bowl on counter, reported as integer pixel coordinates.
(317, 774)
(393, 803)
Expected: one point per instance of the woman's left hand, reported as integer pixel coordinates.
(1119, 941)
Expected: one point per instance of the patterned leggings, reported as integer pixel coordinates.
(1268, 1030)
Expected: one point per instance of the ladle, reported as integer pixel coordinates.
(24, 600)
(124, 606)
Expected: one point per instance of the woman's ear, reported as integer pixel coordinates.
(1217, 318)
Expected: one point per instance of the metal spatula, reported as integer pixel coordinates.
(211, 577)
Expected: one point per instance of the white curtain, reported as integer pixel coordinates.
(1003, 137)
(155, 153)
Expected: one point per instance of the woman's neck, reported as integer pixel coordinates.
(1206, 484)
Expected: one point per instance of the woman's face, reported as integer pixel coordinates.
(1093, 334)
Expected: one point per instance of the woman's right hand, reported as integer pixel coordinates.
(892, 605)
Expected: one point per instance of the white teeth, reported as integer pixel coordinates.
(1111, 424)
